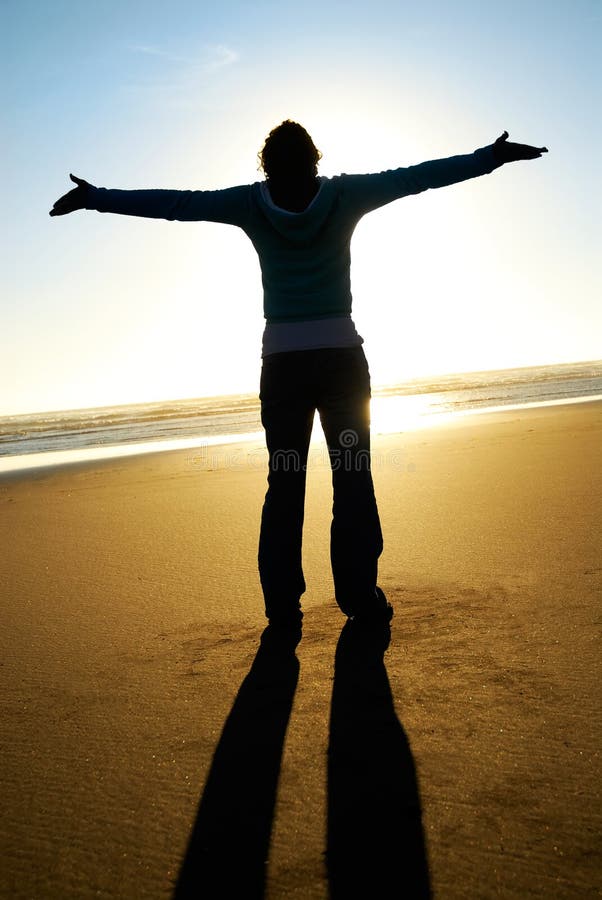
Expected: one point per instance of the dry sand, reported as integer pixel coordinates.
(131, 616)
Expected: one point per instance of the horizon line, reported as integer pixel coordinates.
(255, 394)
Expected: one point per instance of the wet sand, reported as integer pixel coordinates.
(141, 727)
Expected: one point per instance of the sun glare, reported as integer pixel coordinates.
(394, 414)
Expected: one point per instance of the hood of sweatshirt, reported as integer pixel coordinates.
(298, 226)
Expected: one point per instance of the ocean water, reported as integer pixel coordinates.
(43, 438)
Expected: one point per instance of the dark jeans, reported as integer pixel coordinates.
(336, 382)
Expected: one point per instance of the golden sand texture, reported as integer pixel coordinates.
(132, 686)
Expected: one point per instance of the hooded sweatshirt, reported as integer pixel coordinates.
(305, 257)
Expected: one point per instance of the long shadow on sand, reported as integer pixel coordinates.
(376, 844)
(228, 848)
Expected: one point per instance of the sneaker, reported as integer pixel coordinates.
(282, 634)
(375, 615)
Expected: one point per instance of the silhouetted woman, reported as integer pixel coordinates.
(301, 226)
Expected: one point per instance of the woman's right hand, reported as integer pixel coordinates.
(75, 199)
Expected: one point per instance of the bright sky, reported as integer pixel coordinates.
(500, 271)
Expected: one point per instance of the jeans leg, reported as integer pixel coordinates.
(356, 537)
(287, 416)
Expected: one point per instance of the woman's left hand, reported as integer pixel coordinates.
(505, 151)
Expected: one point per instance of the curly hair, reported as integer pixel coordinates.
(288, 150)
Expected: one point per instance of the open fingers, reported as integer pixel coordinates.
(59, 209)
(72, 200)
(65, 204)
(532, 152)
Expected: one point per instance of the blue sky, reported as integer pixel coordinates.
(501, 271)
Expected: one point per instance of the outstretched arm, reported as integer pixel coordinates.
(229, 206)
(368, 192)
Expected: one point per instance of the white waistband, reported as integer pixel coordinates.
(315, 334)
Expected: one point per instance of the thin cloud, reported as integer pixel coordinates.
(149, 50)
(177, 81)
(219, 56)
(212, 58)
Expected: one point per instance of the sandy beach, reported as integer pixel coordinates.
(143, 722)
